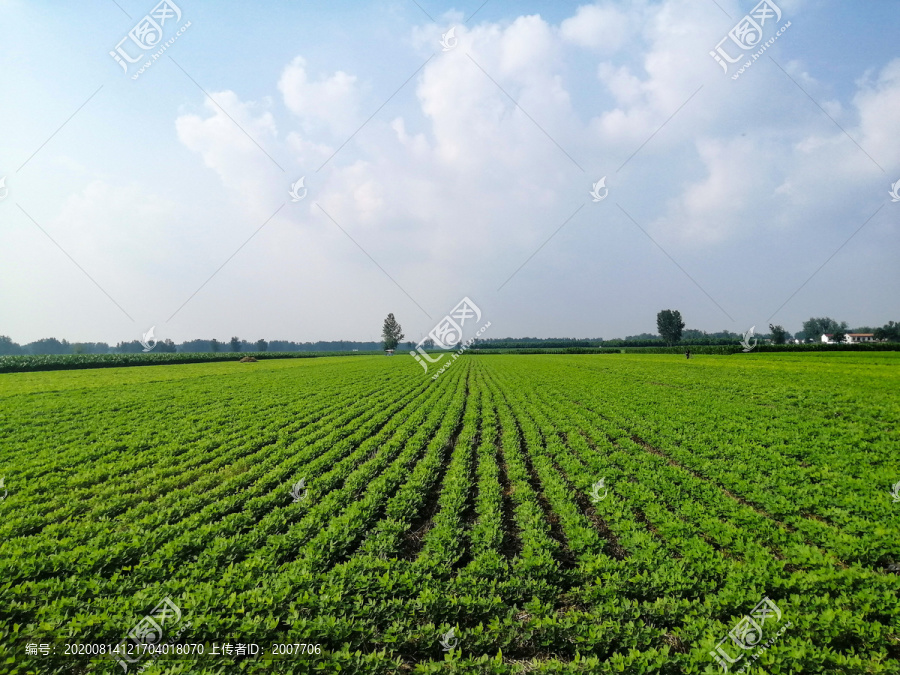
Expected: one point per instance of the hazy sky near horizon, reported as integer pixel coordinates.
(434, 171)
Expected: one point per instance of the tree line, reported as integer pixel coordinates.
(669, 323)
(235, 344)
(671, 329)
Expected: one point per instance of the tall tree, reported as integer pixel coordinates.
(214, 345)
(779, 334)
(815, 327)
(890, 332)
(7, 346)
(839, 335)
(235, 344)
(166, 346)
(262, 345)
(391, 332)
(48, 346)
(132, 347)
(670, 325)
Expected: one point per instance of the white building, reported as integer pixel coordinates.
(850, 338)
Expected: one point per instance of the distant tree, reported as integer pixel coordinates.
(262, 345)
(166, 347)
(643, 336)
(214, 345)
(235, 344)
(48, 346)
(838, 335)
(7, 346)
(779, 334)
(191, 346)
(890, 332)
(391, 332)
(670, 325)
(132, 347)
(814, 328)
(428, 344)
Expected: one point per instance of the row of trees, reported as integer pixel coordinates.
(234, 345)
(669, 323)
(671, 328)
(54, 346)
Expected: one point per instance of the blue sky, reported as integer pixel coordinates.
(139, 202)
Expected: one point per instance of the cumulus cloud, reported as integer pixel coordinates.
(233, 140)
(470, 169)
(485, 178)
(878, 101)
(329, 102)
(603, 27)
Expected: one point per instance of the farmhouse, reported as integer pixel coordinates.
(851, 338)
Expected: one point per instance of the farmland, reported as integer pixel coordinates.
(606, 513)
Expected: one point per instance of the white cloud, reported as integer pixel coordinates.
(878, 103)
(481, 186)
(603, 27)
(235, 146)
(331, 102)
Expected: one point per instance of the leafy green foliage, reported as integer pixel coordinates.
(391, 332)
(815, 327)
(462, 503)
(779, 334)
(670, 325)
(17, 364)
(890, 331)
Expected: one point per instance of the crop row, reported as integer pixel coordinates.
(469, 511)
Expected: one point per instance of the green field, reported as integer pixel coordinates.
(472, 503)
